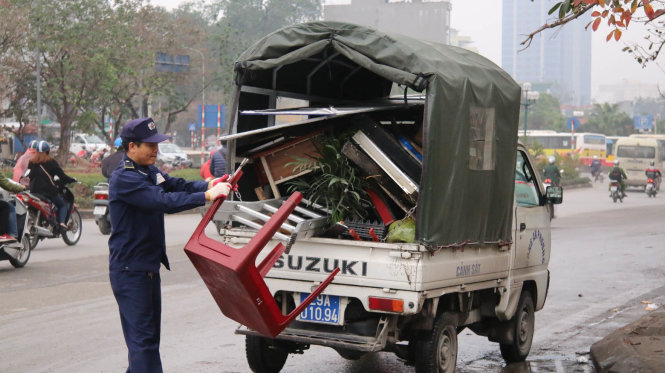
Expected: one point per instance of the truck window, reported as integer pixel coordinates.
(526, 193)
(481, 148)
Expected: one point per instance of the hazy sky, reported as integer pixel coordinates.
(481, 20)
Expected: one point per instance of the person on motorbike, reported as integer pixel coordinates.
(594, 167)
(653, 173)
(618, 174)
(8, 227)
(110, 163)
(43, 169)
(552, 172)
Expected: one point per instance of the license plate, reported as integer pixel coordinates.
(649, 186)
(99, 210)
(613, 188)
(324, 309)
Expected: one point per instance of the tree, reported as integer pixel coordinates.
(545, 113)
(609, 119)
(618, 14)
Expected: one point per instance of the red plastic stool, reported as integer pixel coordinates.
(234, 280)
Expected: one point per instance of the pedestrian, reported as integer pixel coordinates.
(218, 162)
(47, 178)
(110, 163)
(139, 195)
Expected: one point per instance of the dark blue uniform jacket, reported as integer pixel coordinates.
(138, 198)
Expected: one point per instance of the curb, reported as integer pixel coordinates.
(636, 347)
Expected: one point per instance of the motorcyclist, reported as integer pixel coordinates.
(43, 169)
(653, 173)
(8, 226)
(552, 172)
(595, 167)
(618, 174)
(110, 163)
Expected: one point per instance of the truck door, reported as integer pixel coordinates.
(532, 222)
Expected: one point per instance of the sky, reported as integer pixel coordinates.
(481, 20)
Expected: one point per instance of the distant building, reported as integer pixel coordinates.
(559, 58)
(424, 20)
(625, 90)
(462, 41)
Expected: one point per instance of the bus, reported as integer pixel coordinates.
(585, 144)
(635, 152)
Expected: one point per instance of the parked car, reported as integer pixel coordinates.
(172, 154)
(90, 143)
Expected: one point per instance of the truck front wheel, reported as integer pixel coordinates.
(436, 350)
(263, 355)
(523, 324)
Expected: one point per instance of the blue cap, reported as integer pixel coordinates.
(142, 129)
(117, 142)
(43, 146)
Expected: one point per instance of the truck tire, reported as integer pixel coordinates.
(523, 325)
(263, 356)
(436, 350)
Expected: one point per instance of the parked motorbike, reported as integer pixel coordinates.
(650, 188)
(18, 252)
(43, 222)
(101, 207)
(615, 191)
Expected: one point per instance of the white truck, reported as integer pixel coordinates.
(480, 254)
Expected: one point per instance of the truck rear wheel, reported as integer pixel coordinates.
(263, 355)
(436, 350)
(523, 324)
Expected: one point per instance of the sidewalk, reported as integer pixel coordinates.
(636, 347)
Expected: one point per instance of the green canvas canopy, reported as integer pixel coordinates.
(470, 119)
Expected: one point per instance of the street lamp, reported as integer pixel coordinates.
(203, 100)
(529, 99)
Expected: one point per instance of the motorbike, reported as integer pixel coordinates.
(650, 188)
(546, 184)
(597, 176)
(18, 252)
(615, 191)
(101, 207)
(42, 221)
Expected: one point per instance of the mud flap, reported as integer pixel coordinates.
(510, 296)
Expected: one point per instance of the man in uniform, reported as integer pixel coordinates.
(139, 195)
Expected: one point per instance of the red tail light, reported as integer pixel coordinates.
(101, 196)
(548, 181)
(386, 304)
(650, 181)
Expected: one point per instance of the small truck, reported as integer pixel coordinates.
(480, 250)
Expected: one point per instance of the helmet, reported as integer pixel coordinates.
(33, 144)
(616, 163)
(43, 146)
(118, 142)
(652, 163)
(551, 159)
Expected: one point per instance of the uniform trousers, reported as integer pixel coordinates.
(140, 303)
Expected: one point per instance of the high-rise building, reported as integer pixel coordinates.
(424, 20)
(558, 60)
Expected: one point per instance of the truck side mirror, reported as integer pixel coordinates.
(554, 194)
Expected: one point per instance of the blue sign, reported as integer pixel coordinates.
(643, 122)
(211, 116)
(192, 127)
(573, 123)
